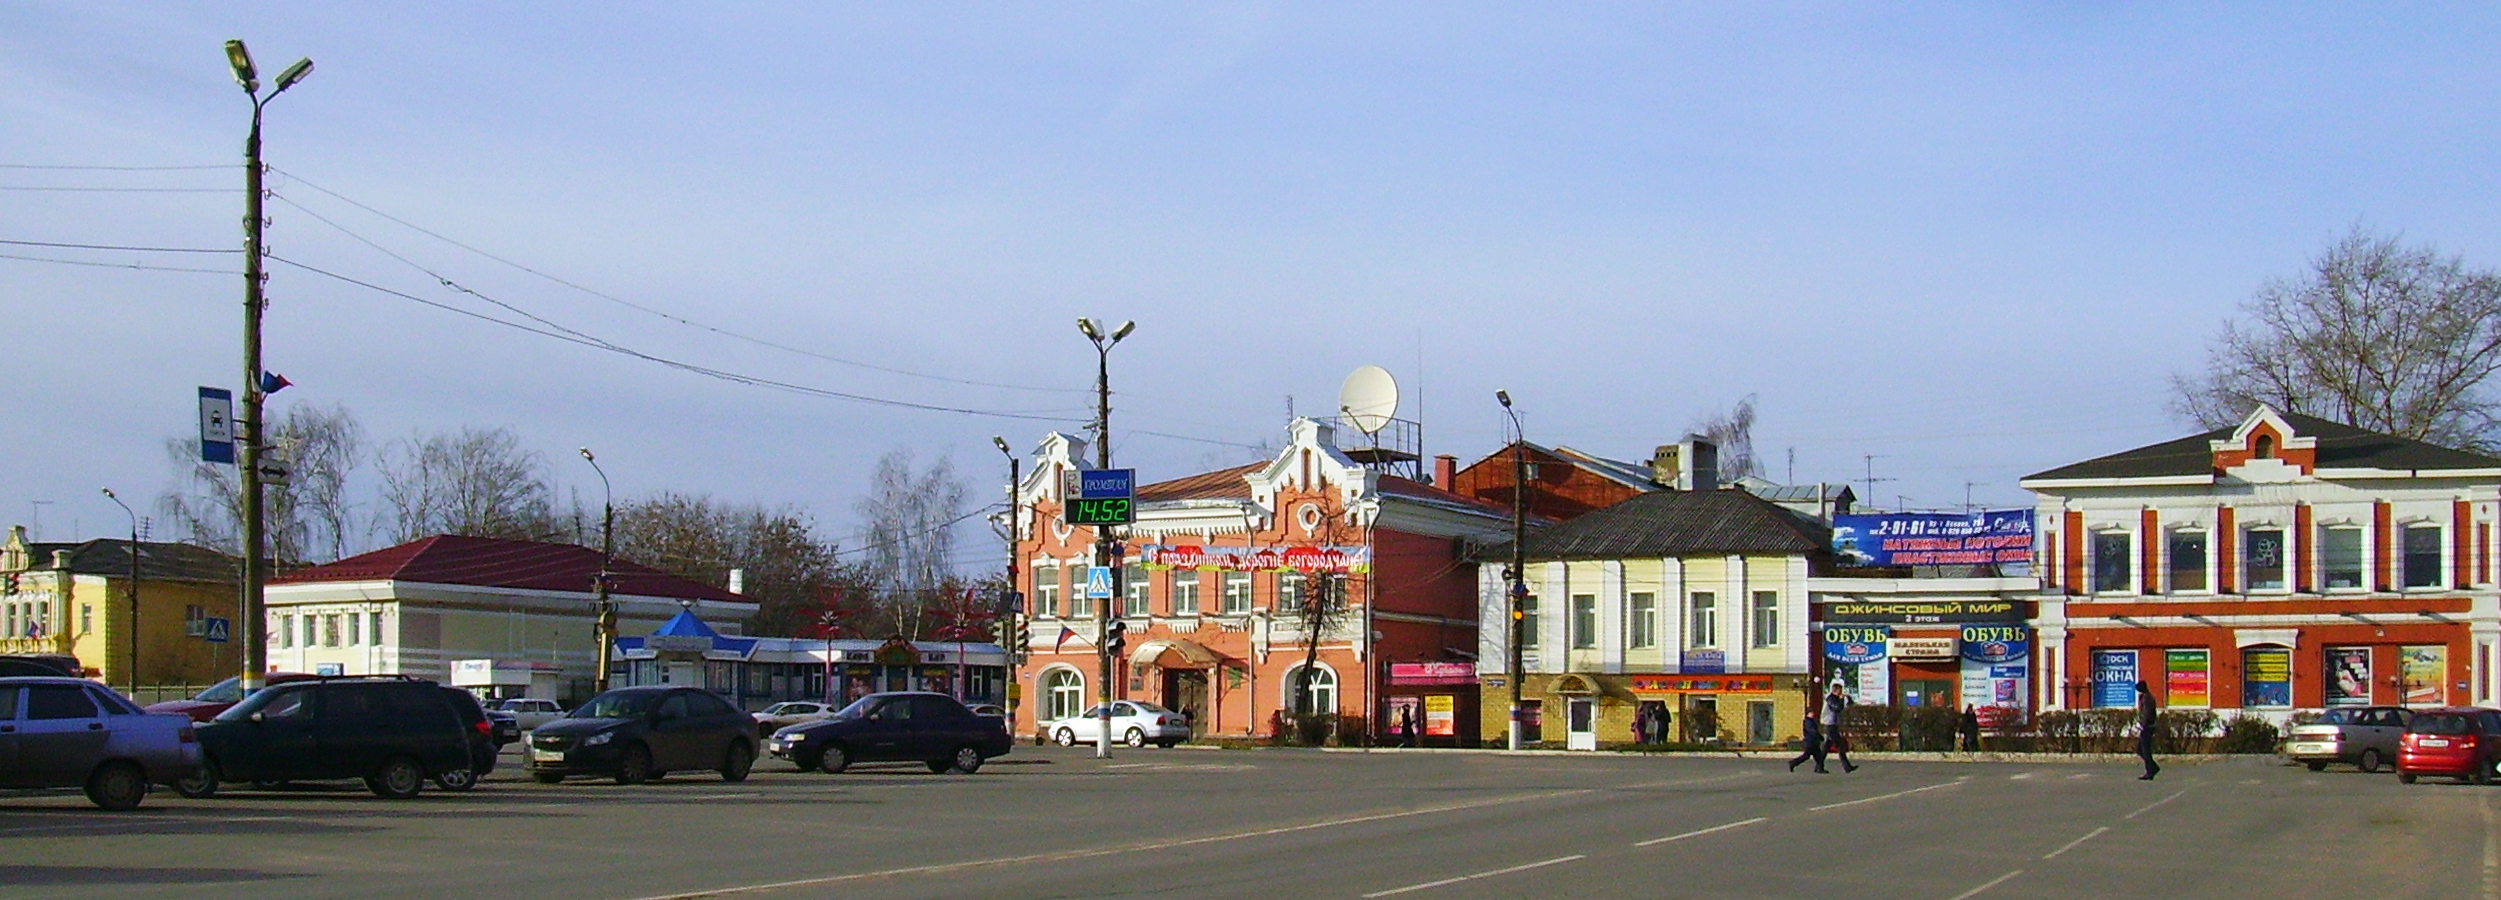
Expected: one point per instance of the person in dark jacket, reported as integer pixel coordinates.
(1814, 745)
(1970, 729)
(1836, 705)
(2145, 731)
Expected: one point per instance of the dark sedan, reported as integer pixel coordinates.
(639, 733)
(902, 726)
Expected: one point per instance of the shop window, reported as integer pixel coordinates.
(2340, 557)
(1312, 689)
(1064, 691)
(2113, 562)
(1237, 593)
(1185, 592)
(1642, 627)
(1136, 592)
(1046, 590)
(2262, 558)
(1528, 622)
(1705, 619)
(2186, 560)
(1584, 621)
(2422, 556)
(1766, 619)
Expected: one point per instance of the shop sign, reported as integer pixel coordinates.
(1927, 612)
(1702, 684)
(1866, 684)
(1995, 643)
(2422, 669)
(1441, 715)
(2114, 678)
(2185, 678)
(1316, 559)
(677, 643)
(2000, 537)
(1997, 692)
(1922, 649)
(2348, 676)
(1854, 644)
(1703, 661)
(2266, 677)
(1432, 673)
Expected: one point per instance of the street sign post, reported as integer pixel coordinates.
(1098, 582)
(217, 631)
(217, 425)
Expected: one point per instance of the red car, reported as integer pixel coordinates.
(205, 705)
(2460, 742)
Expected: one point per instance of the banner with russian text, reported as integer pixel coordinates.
(2002, 537)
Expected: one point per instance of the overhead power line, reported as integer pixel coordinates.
(120, 190)
(121, 168)
(123, 247)
(113, 265)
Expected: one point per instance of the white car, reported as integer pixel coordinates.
(530, 714)
(782, 715)
(1136, 723)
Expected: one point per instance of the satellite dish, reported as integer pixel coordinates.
(1368, 399)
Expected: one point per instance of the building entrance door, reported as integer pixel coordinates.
(1580, 723)
(1185, 692)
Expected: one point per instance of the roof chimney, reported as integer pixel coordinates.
(738, 581)
(1446, 472)
(1688, 465)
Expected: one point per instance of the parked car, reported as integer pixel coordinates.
(530, 713)
(782, 715)
(219, 697)
(2462, 742)
(1136, 723)
(898, 726)
(2364, 736)
(637, 734)
(392, 731)
(486, 740)
(67, 732)
(38, 665)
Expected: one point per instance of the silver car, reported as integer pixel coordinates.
(2365, 736)
(530, 714)
(69, 732)
(1136, 723)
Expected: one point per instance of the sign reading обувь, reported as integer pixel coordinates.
(1923, 612)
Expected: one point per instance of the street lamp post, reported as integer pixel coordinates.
(255, 529)
(1009, 617)
(1518, 590)
(133, 680)
(1105, 547)
(606, 624)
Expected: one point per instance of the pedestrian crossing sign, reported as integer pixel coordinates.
(216, 631)
(1098, 582)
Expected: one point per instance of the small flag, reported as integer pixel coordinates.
(1064, 634)
(272, 382)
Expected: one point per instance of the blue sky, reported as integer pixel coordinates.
(1972, 240)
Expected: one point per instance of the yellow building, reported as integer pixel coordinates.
(1691, 605)
(74, 599)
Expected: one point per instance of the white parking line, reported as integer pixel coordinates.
(1518, 868)
(2072, 844)
(1700, 832)
(1886, 796)
(1974, 892)
(2150, 806)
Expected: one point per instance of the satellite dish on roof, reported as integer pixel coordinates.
(1368, 399)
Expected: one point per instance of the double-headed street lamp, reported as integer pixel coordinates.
(255, 529)
(606, 624)
(133, 680)
(1106, 549)
(1518, 590)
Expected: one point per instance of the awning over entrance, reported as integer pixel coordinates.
(1175, 653)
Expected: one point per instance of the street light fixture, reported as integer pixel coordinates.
(605, 625)
(133, 680)
(255, 527)
(1105, 548)
(1518, 572)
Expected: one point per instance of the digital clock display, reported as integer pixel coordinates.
(1105, 511)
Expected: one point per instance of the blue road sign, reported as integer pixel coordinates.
(217, 425)
(1099, 582)
(1107, 484)
(217, 631)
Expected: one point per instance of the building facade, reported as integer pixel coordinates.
(2288, 563)
(73, 599)
(756, 672)
(1240, 586)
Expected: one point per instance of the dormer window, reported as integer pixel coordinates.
(2265, 447)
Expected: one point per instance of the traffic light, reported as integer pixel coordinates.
(1117, 638)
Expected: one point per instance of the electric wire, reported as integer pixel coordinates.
(112, 265)
(122, 247)
(232, 165)
(119, 190)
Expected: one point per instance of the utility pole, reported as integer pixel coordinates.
(1518, 591)
(1106, 548)
(133, 680)
(1011, 619)
(248, 428)
(606, 623)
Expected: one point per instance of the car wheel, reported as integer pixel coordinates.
(734, 766)
(833, 760)
(456, 780)
(201, 784)
(2405, 778)
(1065, 738)
(2316, 766)
(968, 759)
(117, 786)
(634, 765)
(1134, 738)
(2370, 760)
(400, 778)
(547, 777)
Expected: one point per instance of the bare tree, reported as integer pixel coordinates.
(909, 518)
(311, 516)
(2377, 335)
(479, 482)
(789, 571)
(1732, 430)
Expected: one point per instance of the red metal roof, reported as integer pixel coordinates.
(492, 562)
(1222, 484)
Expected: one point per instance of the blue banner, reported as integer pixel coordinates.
(2001, 537)
(1995, 643)
(2114, 678)
(1854, 644)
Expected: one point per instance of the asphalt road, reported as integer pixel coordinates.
(1047, 822)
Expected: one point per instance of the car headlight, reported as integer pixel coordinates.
(598, 739)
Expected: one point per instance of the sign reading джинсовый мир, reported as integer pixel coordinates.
(1920, 612)
(2000, 537)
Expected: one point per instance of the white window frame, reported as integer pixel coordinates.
(1766, 633)
(2129, 581)
(1046, 591)
(1137, 592)
(1053, 687)
(1323, 694)
(1641, 625)
(1185, 592)
(2361, 557)
(2441, 573)
(1236, 589)
(1584, 622)
(2248, 584)
(1703, 611)
(2170, 582)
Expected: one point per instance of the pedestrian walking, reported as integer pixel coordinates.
(1814, 745)
(1836, 743)
(1406, 724)
(1971, 729)
(2145, 731)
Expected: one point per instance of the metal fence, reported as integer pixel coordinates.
(159, 693)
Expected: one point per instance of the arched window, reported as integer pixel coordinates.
(1322, 685)
(1064, 690)
(2266, 446)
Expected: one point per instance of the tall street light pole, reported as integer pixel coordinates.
(606, 624)
(1518, 590)
(1106, 548)
(1010, 618)
(133, 680)
(249, 432)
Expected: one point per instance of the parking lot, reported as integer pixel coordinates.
(1048, 822)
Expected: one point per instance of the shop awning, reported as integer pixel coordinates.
(1175, 653)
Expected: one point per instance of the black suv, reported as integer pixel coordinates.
(906, 726)
(637, 734)
(392, 731)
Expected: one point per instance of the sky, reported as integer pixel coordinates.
(1949, 243)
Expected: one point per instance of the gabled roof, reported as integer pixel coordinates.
(1675, 523)
(2340, 446)
(491, 562)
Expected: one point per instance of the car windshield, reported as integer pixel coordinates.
(227, 691)
(859, 707)
(253, 704)
(618, 705)
(2438, 723)
(1149, 707)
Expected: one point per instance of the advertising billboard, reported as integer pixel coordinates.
(2266, 675)
(2187, 683)
(2423, 668)
(2114, 678)
(2002, 537)
(2348, 676)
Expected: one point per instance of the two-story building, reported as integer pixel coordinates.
(2285, 563)
(75, 599)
